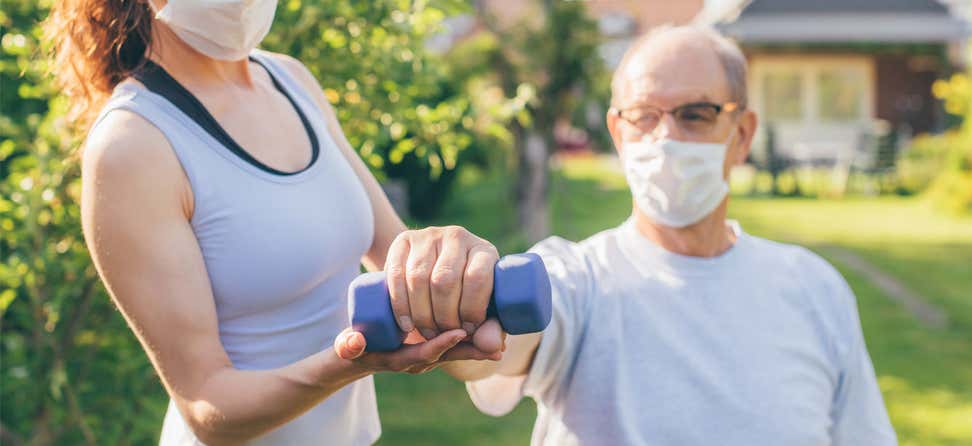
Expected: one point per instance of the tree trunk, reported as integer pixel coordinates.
(532, 185)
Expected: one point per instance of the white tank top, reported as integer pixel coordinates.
(280, 250)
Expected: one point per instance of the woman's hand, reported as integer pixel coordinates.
(417, 355)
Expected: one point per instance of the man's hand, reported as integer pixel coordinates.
(441, 279)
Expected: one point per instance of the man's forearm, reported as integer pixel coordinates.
(471, 370)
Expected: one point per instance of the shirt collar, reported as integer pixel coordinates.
(649, 258)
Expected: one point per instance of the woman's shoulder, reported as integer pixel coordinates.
(125, 139)
(124, 149)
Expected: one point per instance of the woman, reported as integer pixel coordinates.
(226, 214)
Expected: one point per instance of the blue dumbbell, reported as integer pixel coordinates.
(520, 300)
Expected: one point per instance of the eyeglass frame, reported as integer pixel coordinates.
(727, 107)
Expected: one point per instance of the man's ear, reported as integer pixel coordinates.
(745, 131)
(612, 124)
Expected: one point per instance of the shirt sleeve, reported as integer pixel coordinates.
(858, 412)
(497, 395)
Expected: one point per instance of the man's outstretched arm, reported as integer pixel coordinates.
(516, 361)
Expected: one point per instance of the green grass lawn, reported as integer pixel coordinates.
(925, 374)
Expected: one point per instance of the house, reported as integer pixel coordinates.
(826, 76)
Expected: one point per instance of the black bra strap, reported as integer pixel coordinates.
(160, 82)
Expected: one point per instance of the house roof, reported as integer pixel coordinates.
(830, 6)
(824, 21)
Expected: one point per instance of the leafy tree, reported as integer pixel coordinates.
(400, 106)
(545, 60)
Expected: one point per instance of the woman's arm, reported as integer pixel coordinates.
(136, 206)
(387, 222)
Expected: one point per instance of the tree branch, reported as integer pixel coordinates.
(83, 307)
(78, 414)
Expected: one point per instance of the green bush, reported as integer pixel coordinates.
(941, 165)
(925, 160)
(71, 370)
(952, 189)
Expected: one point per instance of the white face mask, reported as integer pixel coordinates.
(675, 183)
(221, 29)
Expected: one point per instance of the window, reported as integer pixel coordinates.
(840, 92)
(783, 96)
(806, 90)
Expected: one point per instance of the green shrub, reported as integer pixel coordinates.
(924, 160)
(952, 189)
(71, 371)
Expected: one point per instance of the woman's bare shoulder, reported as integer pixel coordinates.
(124, 150)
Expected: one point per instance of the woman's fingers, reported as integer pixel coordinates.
(395, 279)
(419, 355)
(446, 279)
(444, 347)
(466, 351)
(477, 284)
(413, 358)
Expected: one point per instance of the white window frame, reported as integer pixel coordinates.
(809, 67)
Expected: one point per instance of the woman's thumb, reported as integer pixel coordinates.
(349, 344)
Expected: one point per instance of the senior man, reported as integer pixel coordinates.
(677, 327)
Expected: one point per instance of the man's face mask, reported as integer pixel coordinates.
(221, 29)
(676, 183)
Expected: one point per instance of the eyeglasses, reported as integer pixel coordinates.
(696, 118)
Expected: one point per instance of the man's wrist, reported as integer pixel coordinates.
(470, 370)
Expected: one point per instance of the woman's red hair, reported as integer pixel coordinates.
(95, 44)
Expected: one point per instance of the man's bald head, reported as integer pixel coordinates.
(698, 47)
(672, 67)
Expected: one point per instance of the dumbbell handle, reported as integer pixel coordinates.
(520, 299)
